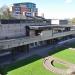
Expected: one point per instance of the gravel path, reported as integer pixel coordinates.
(48, 64)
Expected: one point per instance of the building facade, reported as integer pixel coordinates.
(25, 9)
(19, 37)
(20, 28)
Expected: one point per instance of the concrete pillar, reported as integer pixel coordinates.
(55, 40)
(18, 50)
(48, 42)
(67, 29)
(52, 41)
(71, 36)
(27, 31)
(27, 48)
(21, 48)
(24, 48)
(13, 54)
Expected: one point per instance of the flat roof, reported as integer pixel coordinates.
(24, 3)
(49, 26)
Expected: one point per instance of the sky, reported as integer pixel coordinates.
(55, 9)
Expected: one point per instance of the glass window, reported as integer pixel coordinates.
(17, 12)
(32, 44)
(35, 43)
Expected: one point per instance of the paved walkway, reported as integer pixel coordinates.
(48, 64)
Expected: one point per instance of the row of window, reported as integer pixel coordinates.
(40, 43)
(20, 21)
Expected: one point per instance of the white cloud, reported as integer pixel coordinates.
(53, 14)
(68, 1)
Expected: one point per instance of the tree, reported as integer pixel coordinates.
(73, 21)
(5, 13)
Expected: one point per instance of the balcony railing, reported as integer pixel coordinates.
(5, 44)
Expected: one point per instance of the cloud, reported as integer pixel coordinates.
(68, 1)
(53, 14)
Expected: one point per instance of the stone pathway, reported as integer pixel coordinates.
(72, 49)
(48, 64)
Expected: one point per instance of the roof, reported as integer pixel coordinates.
(24, 3)
(49, 26)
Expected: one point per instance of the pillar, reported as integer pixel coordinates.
(55, 40)
(24, 48)
(27, 48)
(52, 41)
(67, 29)
(48, 42)
(27, 30)
(13, 54)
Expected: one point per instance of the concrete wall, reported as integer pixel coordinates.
(62, 22)
(32, 33)
(46, 33)
(23, 41)
(14, 30)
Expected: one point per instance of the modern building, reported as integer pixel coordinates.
(20, 37)
(25, 9)
(59, 22)
(21, 28)
(64, 22)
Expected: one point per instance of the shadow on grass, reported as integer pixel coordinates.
(19, 64)
(33, 58)
(62, 47)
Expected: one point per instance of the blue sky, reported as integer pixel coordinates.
(50, 8)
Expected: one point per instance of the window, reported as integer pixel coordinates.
(36, 43)
(32, 44)
(17, 9)
(17, 12)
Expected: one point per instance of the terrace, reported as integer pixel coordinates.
(46, 34)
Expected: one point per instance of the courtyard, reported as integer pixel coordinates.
(34, 65)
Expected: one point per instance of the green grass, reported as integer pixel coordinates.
(59, 65)
(34, 64)
(67, 55)
(32, 68)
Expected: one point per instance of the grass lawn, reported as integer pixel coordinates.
(59, 65)
(34, 64)
(68, 55)
(32, 68)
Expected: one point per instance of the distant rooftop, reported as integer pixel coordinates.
(24, 3)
